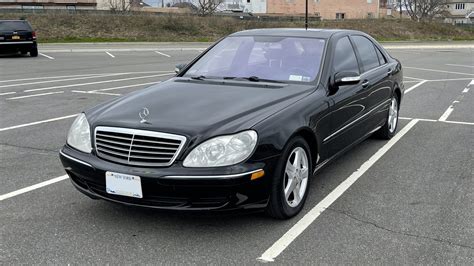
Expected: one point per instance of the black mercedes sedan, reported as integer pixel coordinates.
(247, 124)
(17, 36)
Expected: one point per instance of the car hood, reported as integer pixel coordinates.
(198, 108)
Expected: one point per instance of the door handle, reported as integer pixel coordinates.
(365, 84)
(389, 71)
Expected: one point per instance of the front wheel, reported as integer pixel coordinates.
(291, 183)
(387, 131)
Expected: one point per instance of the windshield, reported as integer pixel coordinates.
(263, 57)
(14, 26)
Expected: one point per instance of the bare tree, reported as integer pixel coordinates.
(208, 7)
(422, 10)
(119, 5)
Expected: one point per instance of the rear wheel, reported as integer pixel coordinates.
(34, 52)
(291, 183)
(387, 131)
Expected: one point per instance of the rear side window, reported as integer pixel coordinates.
(382, 59)
(367, 52)
(344, 58)
(14, 26)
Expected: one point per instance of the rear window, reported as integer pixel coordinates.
(14, 26)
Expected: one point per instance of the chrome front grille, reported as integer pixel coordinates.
(137, 147)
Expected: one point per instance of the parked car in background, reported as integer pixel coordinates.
(17, 36)
(245, 125)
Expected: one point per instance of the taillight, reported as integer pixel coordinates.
(34, 35)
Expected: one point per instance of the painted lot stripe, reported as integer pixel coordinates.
(441, 71)
(35, 95)
(97, 92)
(413, 78)
(92, 50)
(415, 86)
(459, 65)
(60, 80)
(466, 90)
(7, 93)
(447, 113)
(281, 244)
(38, 122)
(98, 82)
(38, 78)
(167, 55)
(111, 55)
(128, 86)
(471, 83)
(33, 187)
(47, 56)
(459, 122)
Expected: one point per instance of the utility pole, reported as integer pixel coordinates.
(306, 16)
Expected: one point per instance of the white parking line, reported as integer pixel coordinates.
(447, 112)
(458, 122)
(98, 82)
(471, 83)
(413, 78)
(127, 86)
(38, 122)
(466, 90)
(35, 95)
(415, 86)
(47, 56)
(33, 187)
(60, 80)
(68, 76)
(111, 55)
(441, 71)
(97, 92)
(281, 244)
(7, 93)
(459, 65)
(167, 55)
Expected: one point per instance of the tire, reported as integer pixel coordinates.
(388, 130)
(281, 206)
(34, 52)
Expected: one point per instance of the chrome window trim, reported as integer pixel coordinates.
(351, 123)
(74, 159)
(25, 42)
(147, 133)
(212, 176)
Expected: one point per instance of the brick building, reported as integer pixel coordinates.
(326, 9)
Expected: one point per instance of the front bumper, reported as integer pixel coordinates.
(175, 187)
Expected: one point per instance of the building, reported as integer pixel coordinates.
(460, 12)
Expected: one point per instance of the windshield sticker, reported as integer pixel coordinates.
(295, 78)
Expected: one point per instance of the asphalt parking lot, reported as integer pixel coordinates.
(407, 201)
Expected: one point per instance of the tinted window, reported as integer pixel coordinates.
(14, 26)
(367, 52)
(382, 59)
(345, 59)
(266, 57)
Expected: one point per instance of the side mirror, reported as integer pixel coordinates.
(178, 68)
(346, 78)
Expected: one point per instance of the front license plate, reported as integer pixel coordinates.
(124, 185)
(14, 37)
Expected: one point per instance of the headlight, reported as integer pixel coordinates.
(223, 150)
(79, 136)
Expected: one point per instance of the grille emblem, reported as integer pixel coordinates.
(143, 114)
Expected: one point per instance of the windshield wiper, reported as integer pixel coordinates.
(200, 77)
(254, 79)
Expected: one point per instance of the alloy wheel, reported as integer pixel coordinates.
(393, 115)
(296, 177)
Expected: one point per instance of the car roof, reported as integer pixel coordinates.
(293, 32)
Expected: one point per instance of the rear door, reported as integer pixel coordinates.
(376, 79)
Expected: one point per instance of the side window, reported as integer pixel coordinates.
(382, 59)
(344, 58)
(367, 52)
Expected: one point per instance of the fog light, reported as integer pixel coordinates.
(257, 175)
